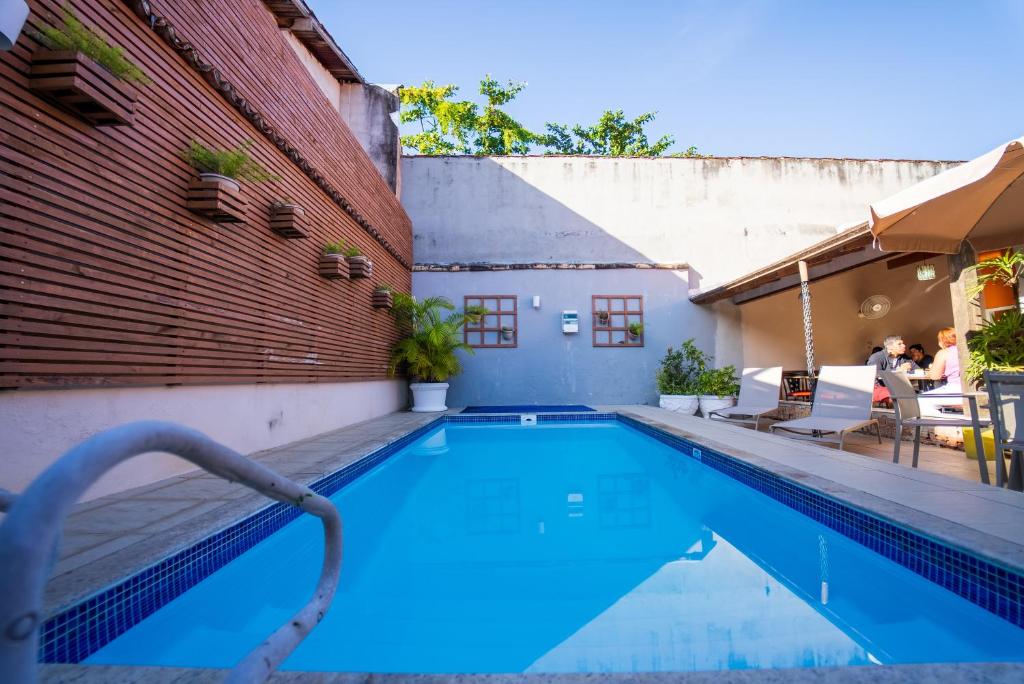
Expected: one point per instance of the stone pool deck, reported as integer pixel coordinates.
(113, 537)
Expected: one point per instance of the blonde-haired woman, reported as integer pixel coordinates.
(946, 369)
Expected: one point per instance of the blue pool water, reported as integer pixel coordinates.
(568, 548)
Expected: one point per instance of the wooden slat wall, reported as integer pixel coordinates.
(107, 280)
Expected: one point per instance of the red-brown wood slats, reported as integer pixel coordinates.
(106, 277)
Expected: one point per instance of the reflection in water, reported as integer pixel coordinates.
(567, 548)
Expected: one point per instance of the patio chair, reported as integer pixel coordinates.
(1006, 402)
(842, 403)
(908, 414)
(759, 394)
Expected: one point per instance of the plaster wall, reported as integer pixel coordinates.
(39, 426)
(367, 110)
(772, 330)
(722, 216)
(549, 367)
(327, 83)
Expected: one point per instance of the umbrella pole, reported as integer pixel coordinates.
(805, 304)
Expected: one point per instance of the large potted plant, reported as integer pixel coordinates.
(998, 346)
(677, 377)
(716, 388)
(427, 352)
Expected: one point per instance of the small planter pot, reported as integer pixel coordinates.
(333, 267)
(289, 221)
(82, 86)
(602, 322)
(506, 334)
(429, 397)
(383, 299)
(710, 402)
(360, 266)
(216, 197)
(680, 403)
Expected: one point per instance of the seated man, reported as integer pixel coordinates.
(892, 357)
(922, 360)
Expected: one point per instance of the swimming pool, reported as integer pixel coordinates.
(571, 547)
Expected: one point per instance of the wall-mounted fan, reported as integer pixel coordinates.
(875, 306)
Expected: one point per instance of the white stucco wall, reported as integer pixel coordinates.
(36, 427)
(722, 216)
(327, 83)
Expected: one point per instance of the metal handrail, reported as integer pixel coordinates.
(31, 530)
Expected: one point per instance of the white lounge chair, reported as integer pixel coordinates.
(908, 414)
(759, 394)
(842, 403)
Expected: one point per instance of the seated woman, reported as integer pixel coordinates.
(946, 370)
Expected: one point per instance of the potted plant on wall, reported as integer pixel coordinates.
(81, 70)
(288, 219)
(332, 264)
(635, 330)
(217, 193)
(676, 379)
(602, 317)
(359, 266)
(507, 333)
(427, 352)
(383, 297)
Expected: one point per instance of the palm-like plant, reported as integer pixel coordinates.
(427, 353)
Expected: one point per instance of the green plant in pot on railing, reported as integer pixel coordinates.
(427, 352)
(635, 330)
(228, 165)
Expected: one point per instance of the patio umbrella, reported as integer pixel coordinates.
(981, 200)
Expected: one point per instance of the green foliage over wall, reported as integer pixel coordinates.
(450, 126)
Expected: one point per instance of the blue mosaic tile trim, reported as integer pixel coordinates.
(996, 589)
(462, 419)
(75, 634)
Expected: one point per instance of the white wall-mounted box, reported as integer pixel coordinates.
(570, 322)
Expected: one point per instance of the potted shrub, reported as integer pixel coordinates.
(602, 317)
(997, 346)
(217, 194)
(427, 352)
(332, 264)
(288, 219)
(507, 333)
(79, 69)
(676, 379)
(635, 330)
(716, 388)
(383, 297)
(359, 266)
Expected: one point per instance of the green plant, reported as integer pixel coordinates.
(687, 371)
(998, 345)
(636, 329)
(613, 136)
(352, 251)
(383, 287)
(335, 247)
(76, 36)
(234, 163)
(427, 352)
(602, 316)
(1005, 269)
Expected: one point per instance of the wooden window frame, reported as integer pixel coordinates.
(479, 331)
(629, 314)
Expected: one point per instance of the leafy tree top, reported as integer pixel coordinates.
(450, 126)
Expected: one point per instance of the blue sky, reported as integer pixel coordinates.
(823, 78)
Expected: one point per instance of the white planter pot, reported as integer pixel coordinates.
(428, 397)
(709, 403)
(680, 403)
(223, 179)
